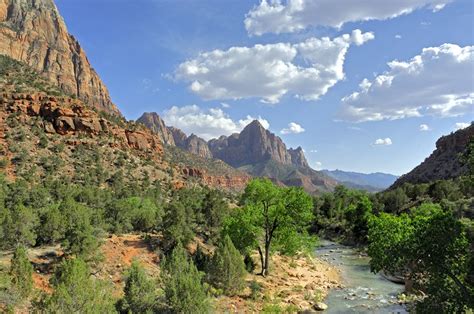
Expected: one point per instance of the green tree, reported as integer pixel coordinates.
(227, 270)
(52, 225)
(139, 292)
(184, 291)
(177, 225)
(80, 238)
(21, 272)
(428, 246)
(75, 291)
(271, 215)
(19, 225)
(357, 216)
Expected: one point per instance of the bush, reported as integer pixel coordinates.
(139, 292)
(76, 292)
(227, 271)
(184, 291)
(21, 272)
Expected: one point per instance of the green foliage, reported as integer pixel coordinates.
(178, 225)
(227, 270)
(428, 246)
(184, 291)
(270, 214)
(139, 292)
(75, 291)
(18, 225)
(21, 272)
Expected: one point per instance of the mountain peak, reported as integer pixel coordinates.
(33, 32)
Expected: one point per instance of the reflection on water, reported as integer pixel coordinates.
(364, 292)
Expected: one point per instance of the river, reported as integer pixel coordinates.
(364, 291)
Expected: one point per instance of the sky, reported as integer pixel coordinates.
(364, 85)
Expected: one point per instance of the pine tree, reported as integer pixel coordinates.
(75, 291)
(139, 292)
(183, 287)
(21, 272)
(227, 270)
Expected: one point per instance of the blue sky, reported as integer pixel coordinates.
(149, 53)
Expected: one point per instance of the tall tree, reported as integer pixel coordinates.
(139, 292)
(271, 215)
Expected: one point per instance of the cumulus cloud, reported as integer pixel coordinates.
(398, 36)
(305, 70)
(225, 105)
(424, 127)
(313, 151)
(318, 165)
(383, 141)
(437, 82)
(461, 125)
(207, 124)
(293, 128)
(294, 15)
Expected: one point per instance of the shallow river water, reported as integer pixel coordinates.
(364, 291)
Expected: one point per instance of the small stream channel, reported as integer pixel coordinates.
(364, 291)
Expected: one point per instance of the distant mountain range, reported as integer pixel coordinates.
(259, 152)
(372, 181)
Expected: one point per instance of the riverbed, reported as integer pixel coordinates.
(364, 291)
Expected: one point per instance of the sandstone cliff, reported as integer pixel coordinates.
(32, 31)
(297, 157)
(253, 145)
(154, 122)
(444, 162)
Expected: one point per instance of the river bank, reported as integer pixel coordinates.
(362, 291)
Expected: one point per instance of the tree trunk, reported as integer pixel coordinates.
(267, 257)
(262, 261)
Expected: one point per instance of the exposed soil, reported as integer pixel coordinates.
(295, 283)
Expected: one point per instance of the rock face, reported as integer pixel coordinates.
(154, 122)
(179, 136)
(253, 145)
(297, 157)
(444, 162)
(197, 146)
(65, 116)
(32, 31)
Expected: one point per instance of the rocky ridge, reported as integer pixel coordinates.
(444, 162)
(255, 150)
(32, 31)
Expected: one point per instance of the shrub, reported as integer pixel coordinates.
(139, 292)
(21, 272)
(227, 271)
(184, 291)
(75, 291)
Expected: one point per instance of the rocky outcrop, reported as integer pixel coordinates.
(253, 145)
(297, 157)
(64, 116)
(32, 31)
(197, 146)
(234, 183)
(154, 122)
(179, 136)
(444, 162)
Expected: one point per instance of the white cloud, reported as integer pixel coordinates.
(438, 82)
(398, 36)
(305, 70)
(207, 124)
(313, 151)
(318, 165)
(461, 125)
(383, 141)
(225, 105)
(293, 128)
(290, 16)
(424, 127)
